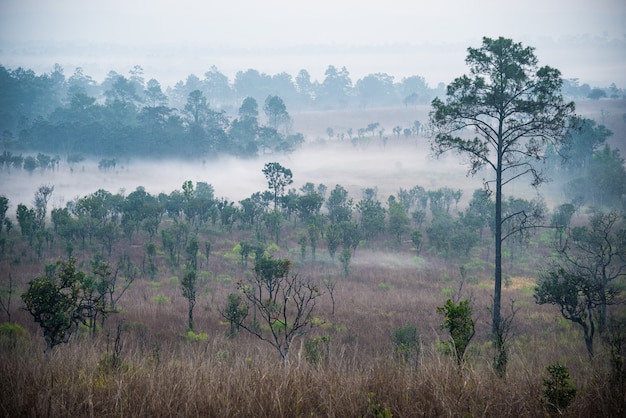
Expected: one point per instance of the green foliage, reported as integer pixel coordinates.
(447, 292)
(63, 299)
(372, 218)
(161, 299)
(514, 127)
(375, 409)
(193, 337)
(406, 343)
(283, 303)
(235, 312)
(12, 335)
(189, 286)
(559, 391)
(385, 286)
(344, 258)
(458, 321)
(416, 239)
(278, 177)
(398, 220)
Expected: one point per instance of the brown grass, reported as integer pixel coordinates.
(162, 374)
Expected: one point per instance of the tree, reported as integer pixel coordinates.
(154, 95)
(284, 302)
(278, 177)
(598, 251)
(515, 110)
(276, 111)
(235, 311)
(375, 88)
(189, 283)
(189, 287)
(585, 138)
(339, 205)
(372, 217)
(27, 220)
(582, 280)
(309, 205)
(576, 297)
(42, 196)
(607, 177)
(59, 302)
(197, 107)
(398, 220)
(458, 321)
(4, 207)
(336, 86)
(561, 219)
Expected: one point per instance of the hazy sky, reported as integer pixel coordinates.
(292, 33)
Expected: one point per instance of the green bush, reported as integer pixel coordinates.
(192, 337)
(385, 287)
(375, 409)
(458, 321)
(11, 335)
(161, 299)
(558, 389)
(316, 349)
(406, 343)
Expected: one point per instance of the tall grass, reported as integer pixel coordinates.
(162, 373)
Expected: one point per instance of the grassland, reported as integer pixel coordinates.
(160, 370)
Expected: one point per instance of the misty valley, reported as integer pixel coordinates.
(278, 246)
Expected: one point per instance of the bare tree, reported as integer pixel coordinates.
(282, 303)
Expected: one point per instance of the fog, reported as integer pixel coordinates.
(402, 163)
(171, 40)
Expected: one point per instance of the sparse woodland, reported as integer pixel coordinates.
(318, 300)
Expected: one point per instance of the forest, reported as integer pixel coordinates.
(126, 116)
(332, 298)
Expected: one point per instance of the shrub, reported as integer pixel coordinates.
(384, 286)
(406, 342)
(458, 321)
(558, 389)
(375, 409)
(316, 350)
(11, 334)
(161, 299)
(192, 337)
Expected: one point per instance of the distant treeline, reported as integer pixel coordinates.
(129, 116)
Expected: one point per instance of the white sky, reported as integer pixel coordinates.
(561, 30)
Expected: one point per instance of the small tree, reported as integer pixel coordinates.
(58, 302)
(330, 285)
(189, 287)
(234, 312)
(278, 177)
(502, 341)
(598, 252)
(577, 297)
(345, 257)
(558, 389)
(42, 196)
(582, 280)
(458, 321)
(283, 300)
(189, 283)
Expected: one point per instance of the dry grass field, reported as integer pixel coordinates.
(164, 372)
